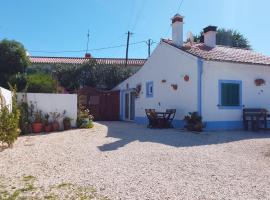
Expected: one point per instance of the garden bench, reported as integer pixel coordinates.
(256, 116)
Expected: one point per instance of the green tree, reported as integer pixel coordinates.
(13, 59)
(228, 37)
(41, 83)
(90, 74)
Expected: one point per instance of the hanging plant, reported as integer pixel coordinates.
(138, 89)
(174, 86)
(259, 82)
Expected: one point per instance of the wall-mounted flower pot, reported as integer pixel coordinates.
(186, 78)
(67, 124)
(259, 82)
(174, 86)
(37, 127)
(48, 128)
(138, 90)
(55, 126)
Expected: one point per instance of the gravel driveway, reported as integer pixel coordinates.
(121, 160)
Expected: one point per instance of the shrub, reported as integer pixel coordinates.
(24, 117)
(9, 122)
(194, 122)
(41, 83)
(85, 119)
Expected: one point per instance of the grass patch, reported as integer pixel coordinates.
(28, 187)
(63, 185)
(50, 197)
(29, 178)
(5, 195)
(24, 188)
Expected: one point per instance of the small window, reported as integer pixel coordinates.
(230, 94)
(149, 89)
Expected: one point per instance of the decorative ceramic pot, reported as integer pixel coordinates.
(37, 127)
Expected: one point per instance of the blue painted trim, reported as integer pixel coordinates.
(122, 104)
(240, 92)
(223, 125)
(199, 85)
(148, 85)
(144, 121)
(210, 125)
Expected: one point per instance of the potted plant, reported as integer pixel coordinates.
(194, 122)
(67, 123)
(85, 119)
(37, 123)
(47, 124)
(55, 123)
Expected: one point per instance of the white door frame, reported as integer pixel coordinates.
(128, 118)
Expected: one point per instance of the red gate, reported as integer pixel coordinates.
(103, 105)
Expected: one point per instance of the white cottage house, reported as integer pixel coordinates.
(216, 81)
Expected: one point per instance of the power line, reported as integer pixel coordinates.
(83, 50)
(178, 9)
(179, 6)
(139, 15)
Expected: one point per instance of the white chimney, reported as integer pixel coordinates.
(177, 30)
(210, 33)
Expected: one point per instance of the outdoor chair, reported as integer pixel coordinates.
(171, 116)
(152, 118)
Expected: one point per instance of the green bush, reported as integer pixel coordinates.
(9, 122)
(41, 83)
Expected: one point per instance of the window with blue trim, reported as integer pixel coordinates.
(230, 94)
(149, 89)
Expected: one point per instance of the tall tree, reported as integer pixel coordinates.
(228, 37)
(13, 60)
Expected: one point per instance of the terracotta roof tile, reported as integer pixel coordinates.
(224, 54)
(81, 60)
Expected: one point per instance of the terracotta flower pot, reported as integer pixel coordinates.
(67, 125)
(37, 127)
(55, 126)
(48, 128)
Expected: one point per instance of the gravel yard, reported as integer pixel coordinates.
(118, 160)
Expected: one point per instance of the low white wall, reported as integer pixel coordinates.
(7, 97)
(54, 103)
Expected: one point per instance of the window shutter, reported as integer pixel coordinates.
(230, 94)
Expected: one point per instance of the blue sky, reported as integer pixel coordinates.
(62, 25)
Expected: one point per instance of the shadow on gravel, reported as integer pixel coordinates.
(127, 132)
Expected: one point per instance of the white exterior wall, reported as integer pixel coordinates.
(252, 96)
(170, 64)
(54, 103)
(7, 97)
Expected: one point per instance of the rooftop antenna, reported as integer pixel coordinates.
(88, 35)
(190, 38)
(87, 55)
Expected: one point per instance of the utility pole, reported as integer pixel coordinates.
(128, 37)
(149, 44)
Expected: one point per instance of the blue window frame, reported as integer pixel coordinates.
(149, 89)
(230, 94)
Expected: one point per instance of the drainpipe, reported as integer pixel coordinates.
(200, 71)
